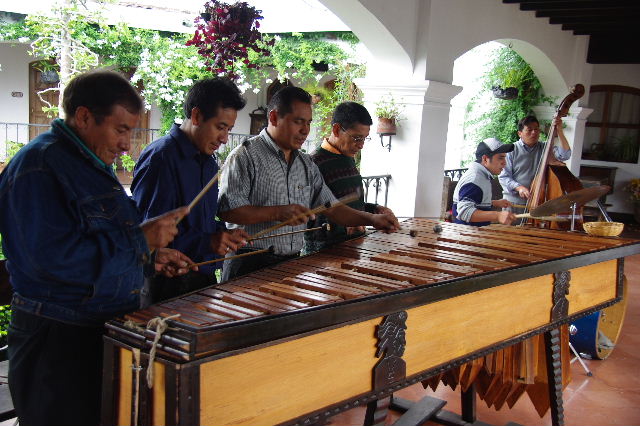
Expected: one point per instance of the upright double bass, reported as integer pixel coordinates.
(553, 180)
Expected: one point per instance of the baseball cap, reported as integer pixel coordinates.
(492, 146)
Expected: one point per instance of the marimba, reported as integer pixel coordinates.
(306, 339)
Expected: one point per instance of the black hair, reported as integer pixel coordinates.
(282, 100)
(348, 114)
(99, 91)
(210, 94)
(526, 121)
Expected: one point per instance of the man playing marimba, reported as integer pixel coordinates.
(77, 250)
(472, 204)
(335, 159)
(269, 180)
(174, 169)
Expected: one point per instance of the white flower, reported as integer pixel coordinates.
(268, 81)
(23, 39)
(277, 37)
(289, 64)
(295, 74)
(256, 90)
(318, 77)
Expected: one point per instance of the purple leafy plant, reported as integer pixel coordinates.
(226, 33)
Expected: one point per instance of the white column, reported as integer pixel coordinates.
(416, 159)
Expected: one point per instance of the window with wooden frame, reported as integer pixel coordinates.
(613, 129)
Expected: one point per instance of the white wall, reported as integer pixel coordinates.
(14, 77)
(14, 93)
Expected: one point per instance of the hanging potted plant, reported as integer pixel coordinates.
(388, 112)
(512, 80)
(226, 33)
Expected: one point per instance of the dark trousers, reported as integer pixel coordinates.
(55, 371)
(237, 267)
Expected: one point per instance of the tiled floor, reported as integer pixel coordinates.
(610, 398)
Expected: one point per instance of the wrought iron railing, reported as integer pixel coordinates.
(377, 182)
(454, 174)
(21, 133)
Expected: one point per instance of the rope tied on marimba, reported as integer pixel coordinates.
(161, 326)
(158, 325)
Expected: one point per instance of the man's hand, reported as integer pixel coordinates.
(385, 222)
(351, 230)
(171, 263)
(383, 210)
(501, 203)
(161, 230)
(506, 217)
(523, 192)
(229, 240)
(302, 214)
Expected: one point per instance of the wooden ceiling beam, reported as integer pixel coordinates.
(588, 12)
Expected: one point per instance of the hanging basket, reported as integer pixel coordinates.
(506, 93)
(386, 126)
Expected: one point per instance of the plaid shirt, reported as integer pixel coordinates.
(257, 174)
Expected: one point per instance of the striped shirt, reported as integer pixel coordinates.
(257, 174)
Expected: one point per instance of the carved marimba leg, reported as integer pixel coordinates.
(377, 412)
(554, 375)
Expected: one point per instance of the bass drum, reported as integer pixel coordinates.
(597, 334)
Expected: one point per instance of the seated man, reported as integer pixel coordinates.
(269, 180)
(472, 204)
(77, 250)
(174, 169)
(335, 159)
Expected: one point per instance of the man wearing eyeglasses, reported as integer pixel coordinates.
(336, 160)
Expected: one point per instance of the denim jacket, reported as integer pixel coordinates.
(70, 233)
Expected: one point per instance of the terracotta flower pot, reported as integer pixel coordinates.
(386, 126)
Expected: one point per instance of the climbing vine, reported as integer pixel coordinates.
(487, 116)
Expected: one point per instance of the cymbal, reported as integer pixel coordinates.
(563, 203)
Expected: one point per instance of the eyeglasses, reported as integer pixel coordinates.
(358, 139)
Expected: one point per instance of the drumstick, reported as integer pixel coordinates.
(547, 218)
(203, 191)
(270, 250)
(324, 226)
(319, 209)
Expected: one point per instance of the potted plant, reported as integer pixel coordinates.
(225, 33)
(511, 80)
(388, 112)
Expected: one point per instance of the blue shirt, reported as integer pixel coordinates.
(75, 250)
(473, 192)
(169, 174)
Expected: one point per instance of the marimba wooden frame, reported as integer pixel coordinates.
(180, 372)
